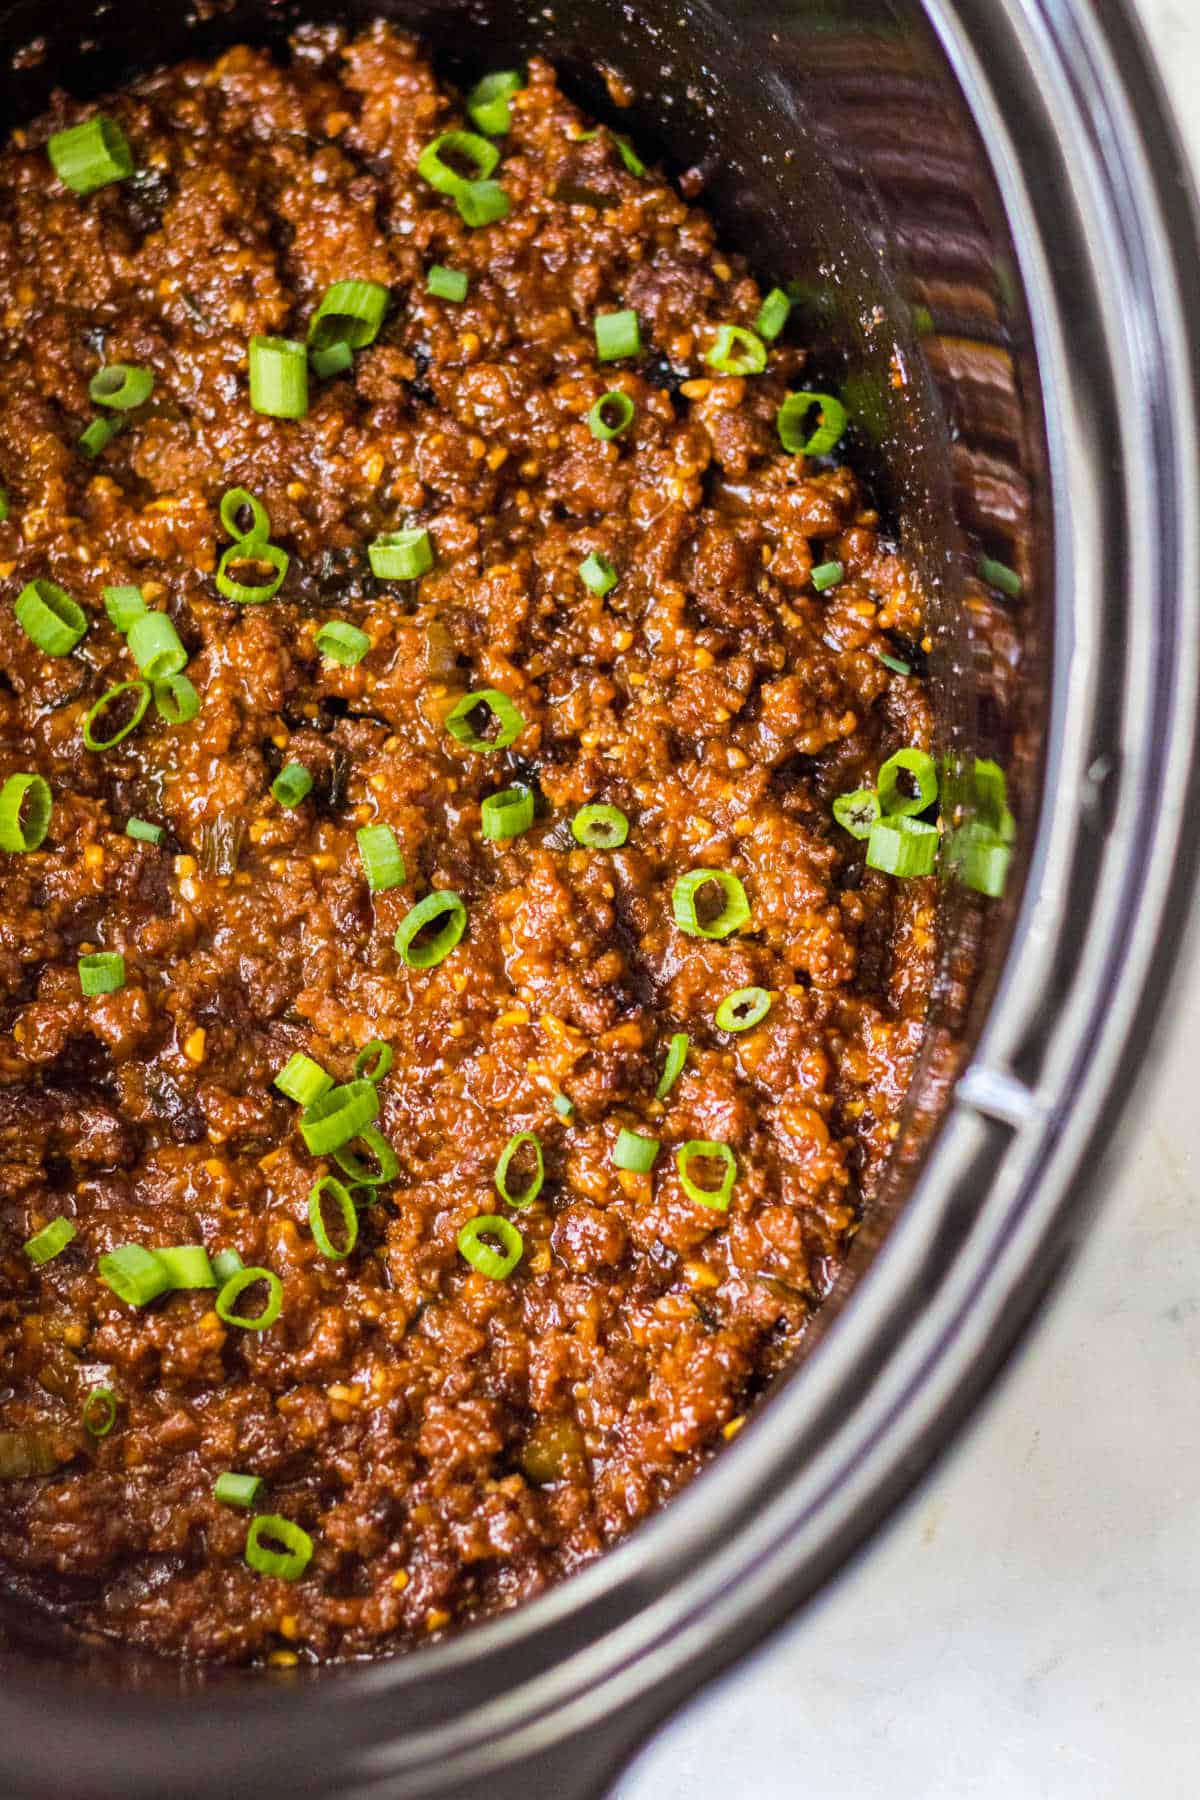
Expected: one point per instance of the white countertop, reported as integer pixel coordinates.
(1043, 1592)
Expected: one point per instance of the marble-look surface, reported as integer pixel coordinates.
(1030, 1628)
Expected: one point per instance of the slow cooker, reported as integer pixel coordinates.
(983, 211)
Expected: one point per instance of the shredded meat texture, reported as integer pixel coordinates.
(452, 1443)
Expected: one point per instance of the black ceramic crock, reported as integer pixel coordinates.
(985, 206)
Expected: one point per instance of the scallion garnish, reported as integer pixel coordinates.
(598, 574)
(387, 1163)
(737, 351)
(526, 1195)
(744, 1008)
(292, 784)
(903, 846)
(618, 334)
(611, 415)
(481, 203)
(441, 904)
(188, 1265)
(329, 1188)
(288, 1563)
(773, 315)
(487, 102)
(857, 812)
(99, 1413)
(25, 807)
(793, 419)
(999, 575)
(382, 859)
(241, 1283)
(401, 555)
(225, 1265)
(495, 1263)
(98, 435)
(563, 1107)
(302, 1079)
(335, 359)
(677, 1051)
(342, 642)
(826, 575)
(155, 647)
(374, 1061)
(103, 972)
(248, 553)
(236, 501)
(47, 614)
(464, 146)
(508, 813)
(230, 1489)
(121, 386)
(916, 767)
(634, 1152)
(123, 605)
(447, 284)
(705, 1150)
(278, 377)
(351, 312)
(176, 700)
(88, 156)
(600, 827)
(501, 719)
(50, 1241)
(134, 1274)
(685, 900)
(144, 831)
(337, 1115)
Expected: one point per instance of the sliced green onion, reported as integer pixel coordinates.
(857, 812)
(374, 1061)
(330, 1187)
(350, 312)
(88, 156)
(278, 377)
(239, 1284)
(3, 504)
(101, 973)
(382, 860)
(826, 575)
(598, 574)
(704, 1149)
(143, 831)
(155, 647)
(737, 351)
(342, 642)
(123, 605)
(302, 1079)
(677, 1051)
(628, 154)
(401, 555)
(47, 614)
(895, 801)
(743, 1009)
(990, 793)
(238, 1490)
(134, 1274)
(335, 359)
(634, 1152)
(981, 859)
(894, 663)
(141, 689)
(999, 575)
(98, 436)
(508, 722)
(25, 807)
(481, 203)
(176, 700)
(289, 1563)
(50, 1241)
(188, 1266)
(292, 784)
(447, 284)
(442, 903)
(339, 1114)
(495, 1264)
(99, 1412)
(563, 1107)
(527, 1195)
(238, 500)
(464, 145)
(225, 1265)
(903, 846)
(487, 102)
(773, 315)
(793, 424)
(121, 386)
(600, 827)
(618, 334)
(387, 1163)
(508, 813)
(611, 415)
(685, 896)
(246, 552)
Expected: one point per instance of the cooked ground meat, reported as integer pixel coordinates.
(450, 1442)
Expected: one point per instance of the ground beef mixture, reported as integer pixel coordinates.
(450, 1442)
